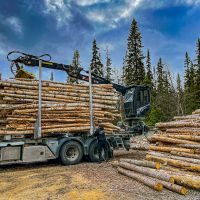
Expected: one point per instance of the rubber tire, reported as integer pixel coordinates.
(63, 150)
(94, 157)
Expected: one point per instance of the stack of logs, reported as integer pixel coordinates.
(65, 107)
(176, 147)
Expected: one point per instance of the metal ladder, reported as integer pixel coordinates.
(119, 142)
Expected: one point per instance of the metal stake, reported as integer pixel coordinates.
(91, 104)
(39, 127)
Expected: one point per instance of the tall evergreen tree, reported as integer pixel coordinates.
(189, 85)
(197, 75)
(75, 65)
(108, 66)
(124, 69)
(51, 77)
(179, 91)
(160, 75)
(149, 75)
(135, 71)
(96, 64)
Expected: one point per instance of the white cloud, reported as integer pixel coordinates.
(14, 23)
(59, 9)
(189, 2)
(90, 2)
(105, 45)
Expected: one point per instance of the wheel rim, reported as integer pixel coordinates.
(72, 153)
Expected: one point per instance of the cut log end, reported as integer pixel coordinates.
(158, 187)
(183, 191)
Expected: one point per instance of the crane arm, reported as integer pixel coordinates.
(33, 61)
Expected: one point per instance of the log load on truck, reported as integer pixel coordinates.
(41, 120)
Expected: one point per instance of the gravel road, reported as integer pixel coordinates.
(86, 181)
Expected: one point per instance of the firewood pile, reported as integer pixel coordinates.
(65, 107)
(175, 149)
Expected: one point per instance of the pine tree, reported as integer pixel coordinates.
(108, 66)
(149, 76)
(135, 72)
(179, 91)
(52, 77)
(124, 69)
(96, 64)
(187, 64)
(160, 75)
(75, 65)
(189, 86)
(197, 76)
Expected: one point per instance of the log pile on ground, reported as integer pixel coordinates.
(173, 156)
(65, 107)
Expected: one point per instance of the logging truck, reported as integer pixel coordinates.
(72, 148)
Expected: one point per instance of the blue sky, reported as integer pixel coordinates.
(58, 27)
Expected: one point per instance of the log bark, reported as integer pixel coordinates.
(175, 163)
(150, 182)
(174, 187)
(188, 155)
(143, 163)
(190, 160)
(189, 146)
(185, 137)
(147, 171)
(170, 148)
(186, 131)
(139, 147)
(177, 124)
(161, 138)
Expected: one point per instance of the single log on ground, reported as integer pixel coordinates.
(152, 183)
(186, 131)
(189, 146)
(143, 163)
(175, 163)
(170, 148)
(159, 138)
(194, 116)
(147, 171)
(177, 124)
(187, 181)
(139, 147)
(174, 187)
(185, 137)
(188, 155)
(191, 160)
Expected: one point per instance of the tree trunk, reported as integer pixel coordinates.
(147, 171)
(188, 155)
(150, 182)
(160, 138)
(142, 163)
(191, 160)
(170, 148)
(175, 163)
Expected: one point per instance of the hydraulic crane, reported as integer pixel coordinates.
(136, 97)
(70, 148)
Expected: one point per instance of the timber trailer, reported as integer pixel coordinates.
(71, 148)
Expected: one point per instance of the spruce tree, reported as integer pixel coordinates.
(75, 65)
(197, 76)
(96, 64)
(160, 75)
(149, 76)
(108, 66)
(179, 91)
(135, 72)
(51, 77)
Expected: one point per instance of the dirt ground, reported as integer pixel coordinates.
(86, 181)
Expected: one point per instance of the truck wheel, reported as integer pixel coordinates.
(71, 153)
(93, 152)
